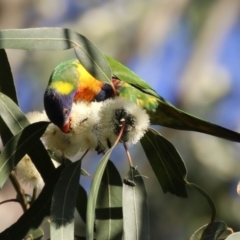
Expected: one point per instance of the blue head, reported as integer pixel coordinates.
(58, 108)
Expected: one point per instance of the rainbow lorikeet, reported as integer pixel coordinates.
(70, 82)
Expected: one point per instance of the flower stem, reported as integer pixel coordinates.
(19, 190)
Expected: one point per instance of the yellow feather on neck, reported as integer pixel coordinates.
(89, 86)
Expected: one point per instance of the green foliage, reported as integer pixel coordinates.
(59, 39)
(19, 145)
(135, 207)
(166, 163)
(212, 231)
(112, 208)
(109, 217)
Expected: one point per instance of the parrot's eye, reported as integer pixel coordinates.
(65, 112)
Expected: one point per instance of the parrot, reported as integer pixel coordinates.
(70, 82)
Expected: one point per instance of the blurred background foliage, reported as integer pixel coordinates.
(189, 51)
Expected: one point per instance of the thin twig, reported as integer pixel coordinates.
(19, 190)
(128, 155)
(10, 200)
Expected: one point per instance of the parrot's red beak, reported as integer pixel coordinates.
(66, 127)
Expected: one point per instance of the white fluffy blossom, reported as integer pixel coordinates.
(95, 126)
(84, 117)
(28, 174)
(116, 112)
(82, 135)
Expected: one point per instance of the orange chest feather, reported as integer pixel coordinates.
(88, 90)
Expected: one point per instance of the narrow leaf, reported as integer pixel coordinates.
(6, 81)
(109, 216)
(92, 198)
(59, 39)
(213, 231)
(135, 207)
(18, 146)
(7, 87)
(34, 216)
(234, 236)
(12, 115)
(166, 163)
(16, 121)
(5, 133)
(63, 203)
(81, 203)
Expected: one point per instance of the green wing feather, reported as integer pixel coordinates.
(162, 112)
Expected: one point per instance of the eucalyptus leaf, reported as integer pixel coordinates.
(213, 231)
(12, 114)
(63, 203)
(6, 81)
(18, 146)
(7, 87)
(92, 198)
(16, 121)
(109, 216)
(135, 207)
(59, 39)
(5, 133)
(34, 216)
(81, 202)
(234, 236)
(166, 163)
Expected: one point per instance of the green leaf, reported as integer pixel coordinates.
(234, 236)
(34, 216)
(59, 39)
(81, 203)
(63, 203)
(34, 234)
(135, 207)
(16, 121)
(7, 87)
(18, 146)
(166, 163)
(5, 133)
(213, 231)
(92, 198)
(12, 115)
(109, 216)
(41, 160)
(6, 81)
